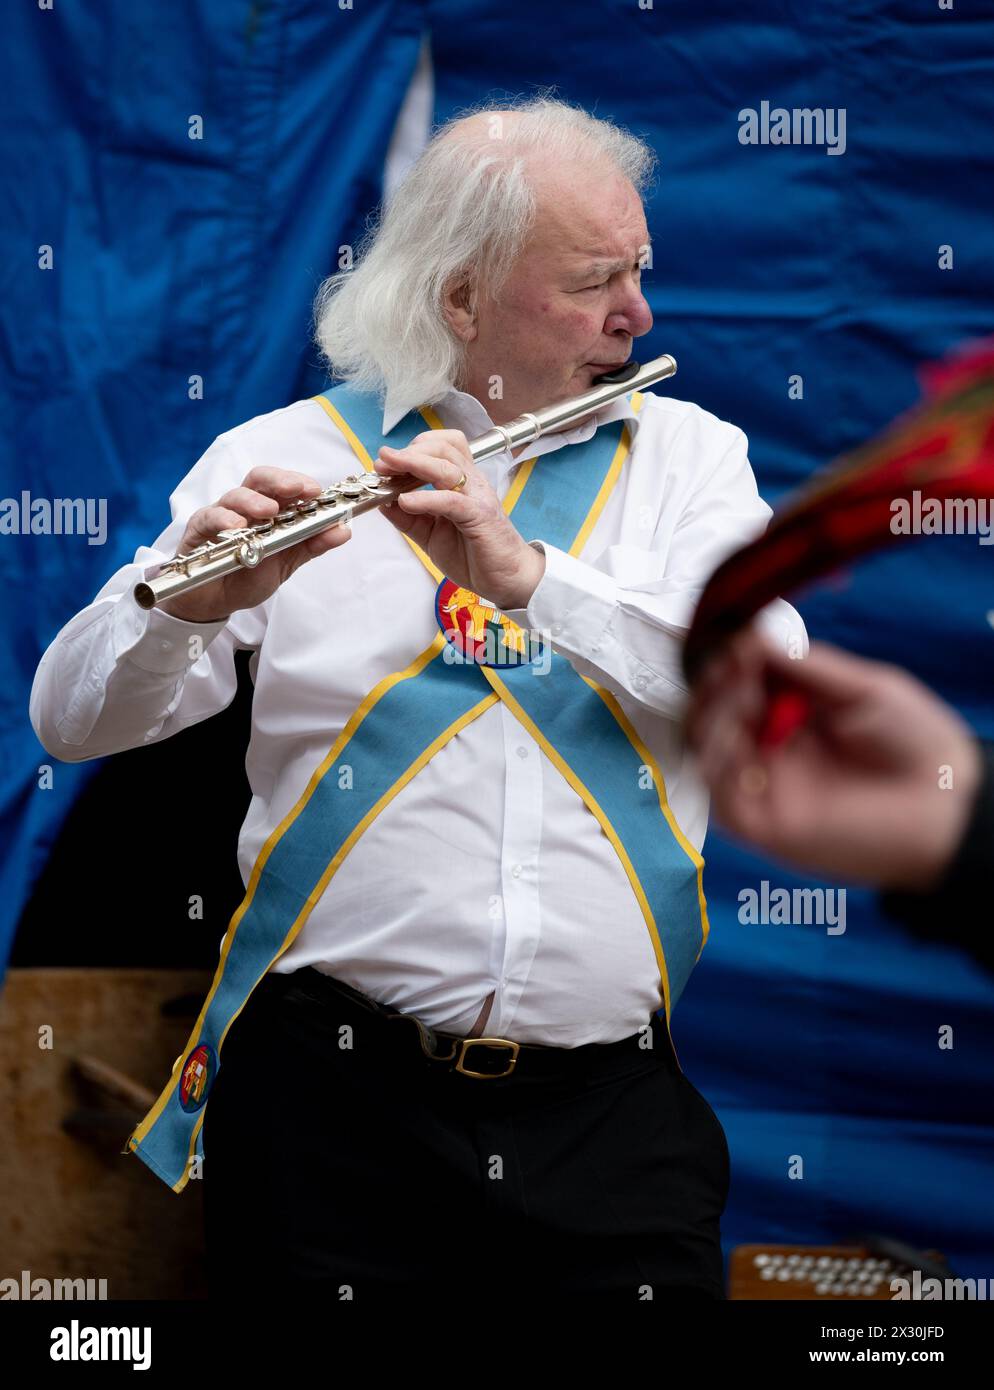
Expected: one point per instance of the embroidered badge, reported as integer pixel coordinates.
(198, 1073)
(479, 631)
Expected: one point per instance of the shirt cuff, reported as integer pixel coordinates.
(156, 641)
(576, 606)
(573, 602)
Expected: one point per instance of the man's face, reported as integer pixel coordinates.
(572, 304)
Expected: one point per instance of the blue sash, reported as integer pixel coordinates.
(397, 728)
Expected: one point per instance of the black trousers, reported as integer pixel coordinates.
(340, 1160)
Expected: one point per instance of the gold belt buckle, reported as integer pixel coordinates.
(460, 1046)
(467, 1043)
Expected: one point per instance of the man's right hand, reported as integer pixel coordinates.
(264, 492)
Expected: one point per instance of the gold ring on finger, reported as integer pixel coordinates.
(460, 484)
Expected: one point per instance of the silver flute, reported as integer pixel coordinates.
(247, 546)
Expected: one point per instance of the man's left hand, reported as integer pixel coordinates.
(466, 534)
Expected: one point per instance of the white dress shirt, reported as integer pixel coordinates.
(486, 872)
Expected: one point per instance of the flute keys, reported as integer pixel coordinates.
(361, 492)
(250, 552)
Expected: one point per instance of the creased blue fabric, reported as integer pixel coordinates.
(173, 258)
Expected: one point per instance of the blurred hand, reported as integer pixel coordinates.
(466, 534)
(856, 792)
(264, 492)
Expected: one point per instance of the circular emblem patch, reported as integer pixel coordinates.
(198, 1073)
(479, 631)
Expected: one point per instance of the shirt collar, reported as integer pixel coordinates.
(460, 411)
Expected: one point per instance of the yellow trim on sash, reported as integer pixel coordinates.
(518, 485)
(610, 478)
(355, 443)
(664, 805)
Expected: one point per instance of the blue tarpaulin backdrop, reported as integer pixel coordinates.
(175, 257)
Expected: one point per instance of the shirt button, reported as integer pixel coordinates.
(556, 629)
(516, 871)
(640, 682)
(522, 752)
(165, 646)
(594, 651)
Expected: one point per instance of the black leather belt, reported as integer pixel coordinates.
(490, 1058)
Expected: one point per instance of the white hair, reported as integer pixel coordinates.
(459, 217)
